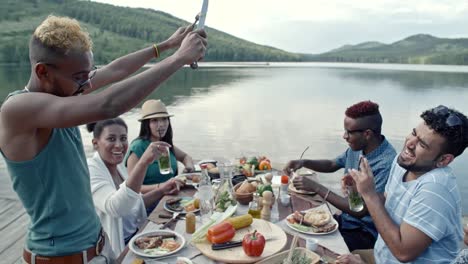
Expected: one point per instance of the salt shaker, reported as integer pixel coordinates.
(267, 201)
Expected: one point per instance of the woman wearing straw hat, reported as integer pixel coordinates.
(156, 127)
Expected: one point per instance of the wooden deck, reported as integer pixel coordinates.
(13, 223)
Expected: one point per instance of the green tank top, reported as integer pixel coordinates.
(55, 190)
(153, 176)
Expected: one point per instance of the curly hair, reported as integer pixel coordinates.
(368, 114)
(56, 37)
(456, 135)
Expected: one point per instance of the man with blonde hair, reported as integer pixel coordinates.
(40, 140)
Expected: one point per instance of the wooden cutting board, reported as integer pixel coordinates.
(237, 255)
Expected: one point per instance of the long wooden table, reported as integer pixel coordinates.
(298, 202)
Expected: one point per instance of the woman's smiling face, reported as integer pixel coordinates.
(112, 145)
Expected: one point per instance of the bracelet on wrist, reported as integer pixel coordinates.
(326, 195)
(156, 51)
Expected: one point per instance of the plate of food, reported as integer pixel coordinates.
(312, 222)
(156, 244)
(182, 205)
(190, 178)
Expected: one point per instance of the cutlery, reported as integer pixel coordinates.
(174, 217)
(232, 244)
(170, 216)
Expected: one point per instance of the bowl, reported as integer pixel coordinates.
(242, 198)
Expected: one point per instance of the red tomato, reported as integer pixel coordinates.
(284, 179)
(253, 244)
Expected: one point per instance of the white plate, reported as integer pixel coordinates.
(312, 232)
(183, 211)
(140, 252)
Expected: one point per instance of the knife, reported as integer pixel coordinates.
(201, 25)
(232, 244)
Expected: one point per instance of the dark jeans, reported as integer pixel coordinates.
(356, 238)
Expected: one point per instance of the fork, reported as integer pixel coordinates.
(174, 217)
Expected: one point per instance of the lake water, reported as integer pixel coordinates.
(228, 110)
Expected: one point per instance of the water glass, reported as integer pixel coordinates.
(285, 199)
(165, 161)
(311, 244)
(205, 194)
(355, 201)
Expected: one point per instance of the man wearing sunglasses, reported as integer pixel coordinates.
(419, 216)
(362, 125)
(40, 140)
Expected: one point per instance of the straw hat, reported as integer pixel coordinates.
(153, 109)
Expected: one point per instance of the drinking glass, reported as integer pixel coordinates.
(165, 162)
(355, 201)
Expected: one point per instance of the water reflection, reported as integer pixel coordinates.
(410, 80)
(187, 83)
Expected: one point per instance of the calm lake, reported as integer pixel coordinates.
(277, 110)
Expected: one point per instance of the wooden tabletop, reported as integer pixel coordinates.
(299, 202)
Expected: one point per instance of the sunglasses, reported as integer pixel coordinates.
(452, 120)
(81, 84)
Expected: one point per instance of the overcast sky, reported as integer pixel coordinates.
(314, 26)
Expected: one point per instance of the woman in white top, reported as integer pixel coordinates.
(117, 198)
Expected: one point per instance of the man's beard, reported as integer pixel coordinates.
(421, 168)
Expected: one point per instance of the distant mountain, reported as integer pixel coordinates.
(117, 31)
(416, 49)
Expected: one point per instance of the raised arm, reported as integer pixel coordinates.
(52, 111)
(132, 162)
(128, 64)
(404, 241)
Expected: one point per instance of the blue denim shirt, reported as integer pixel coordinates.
(380, 161)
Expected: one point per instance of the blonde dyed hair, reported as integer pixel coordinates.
(63, 34)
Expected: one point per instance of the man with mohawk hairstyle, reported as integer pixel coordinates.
(40, 140)
(362, 125)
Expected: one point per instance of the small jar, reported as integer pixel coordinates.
(190, 222)
(255, 207)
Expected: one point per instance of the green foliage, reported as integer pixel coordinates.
(117, 31)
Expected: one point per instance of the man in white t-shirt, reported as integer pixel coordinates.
(419, 217)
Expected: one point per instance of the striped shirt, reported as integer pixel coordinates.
(380, 160)
(431, 203)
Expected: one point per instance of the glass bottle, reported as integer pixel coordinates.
(255, 207)
(224, 196)
(205, 194)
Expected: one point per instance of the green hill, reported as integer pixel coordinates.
(417, 49)
(116, 31)
(119, 30)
